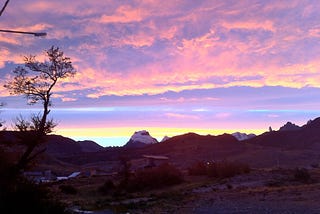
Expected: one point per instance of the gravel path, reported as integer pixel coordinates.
(250, 194)
(252, 206)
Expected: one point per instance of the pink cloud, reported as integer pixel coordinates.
(124, 14)
(68, 99)
(181, 116)
(9, 40)
(314, 32)
(223, 115)
(206, 57)
(250, 25)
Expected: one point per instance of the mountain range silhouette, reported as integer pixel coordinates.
(289, 144)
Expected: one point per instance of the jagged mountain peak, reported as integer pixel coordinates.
(314, 124)
(140, 139)
(289, 127)
(165, 138)
(243, 136)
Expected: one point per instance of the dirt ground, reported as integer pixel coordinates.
(261, 191)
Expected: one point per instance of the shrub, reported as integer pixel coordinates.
(275, 183)
(26, 197)
(106, 187)
(198, 168)
(156, 177)
(68, 189)
(226, 169)
(302, 175)
(221, 169)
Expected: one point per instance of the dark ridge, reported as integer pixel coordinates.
(90, 146)
(306, 137)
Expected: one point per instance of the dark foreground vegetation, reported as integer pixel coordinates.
(34, 80)
(152, 178)
(22, 196)
(219, 169)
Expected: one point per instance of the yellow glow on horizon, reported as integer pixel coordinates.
(157, 132)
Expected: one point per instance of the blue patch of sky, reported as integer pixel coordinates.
(8, 67)
(273, 105)
(159, 117)
(105, 141)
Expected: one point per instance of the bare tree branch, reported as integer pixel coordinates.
(4, 7)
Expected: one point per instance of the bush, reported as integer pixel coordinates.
(68, 189)
(225, 169)
(198, 168)
(222, 169)
(26, 197)
(106, 187)
(302, 175)
(156, 177)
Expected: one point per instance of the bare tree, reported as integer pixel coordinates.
(36, 80)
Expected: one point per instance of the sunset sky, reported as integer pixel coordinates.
(170, 67)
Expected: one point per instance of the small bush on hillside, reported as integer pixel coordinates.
(68, 189)
(225, 169)
(222, 169)
(302, 175)
(107, 187)
(198, 168)
(156, 177)
(275, 183)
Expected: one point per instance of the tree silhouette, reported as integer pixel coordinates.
(1, 122)
(36, 80)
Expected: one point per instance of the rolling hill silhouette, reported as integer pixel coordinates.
(287, 146)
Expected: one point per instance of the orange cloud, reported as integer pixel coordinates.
(250, 25)
(41, 6)
(124, 14)
(3, 57)
(8, 39)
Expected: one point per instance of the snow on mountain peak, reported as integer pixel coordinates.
(140, 138)
(243, 136)
(165, 138)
